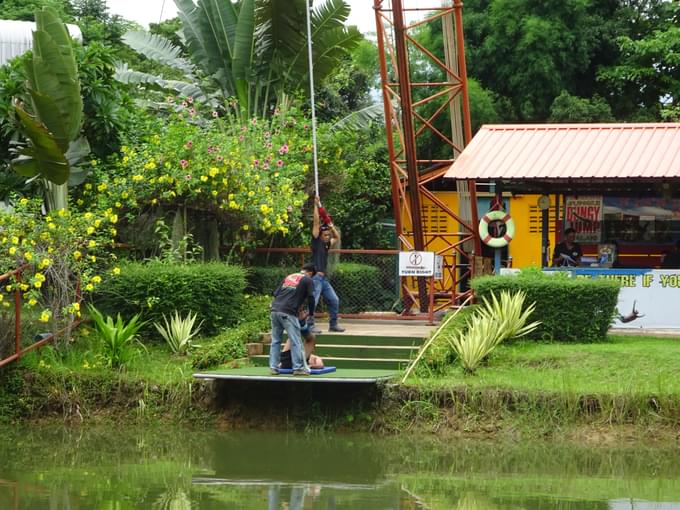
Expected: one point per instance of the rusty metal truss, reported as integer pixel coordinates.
(419, 89)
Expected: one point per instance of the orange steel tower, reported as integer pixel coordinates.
(415, 116)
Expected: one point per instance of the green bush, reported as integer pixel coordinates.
(214, 291)
(230, 344)
(360, 287)
(264, 280)
(570, 309)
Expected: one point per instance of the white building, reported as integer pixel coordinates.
(16, 37)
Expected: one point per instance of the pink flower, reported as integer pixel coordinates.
(279, 163)
(189, 145)
(244, 129)
(306, 127)
(190, 100)
(253, 121)
(211, 149)
(184, 163)
(215, 115)
(283, 149)
(267, 134)
(266, 166)
(256, 162)
(192, 111)
(220, 158)
(241, 138)
(184, 104)
(187, 177)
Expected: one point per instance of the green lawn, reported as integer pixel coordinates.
(622, 365)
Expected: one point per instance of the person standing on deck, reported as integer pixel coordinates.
(295, 289)
(324, 237)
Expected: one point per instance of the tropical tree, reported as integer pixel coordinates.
(52, 127)
(254, 50)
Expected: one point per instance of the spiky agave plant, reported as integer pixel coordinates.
(495, 321)
(179, 331)
(510, 310)
(119, 339)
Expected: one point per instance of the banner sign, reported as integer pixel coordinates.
(416, 263)
(584, 214)
(649, 298)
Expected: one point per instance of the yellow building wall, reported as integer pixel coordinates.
(525, 248)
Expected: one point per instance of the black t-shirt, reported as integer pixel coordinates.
(292, 293)
(320, 254)
(574, 252)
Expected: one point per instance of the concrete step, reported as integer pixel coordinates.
(341, 362)
(352, 339)
(361, 351)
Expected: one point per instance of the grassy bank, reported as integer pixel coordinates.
(626, 387)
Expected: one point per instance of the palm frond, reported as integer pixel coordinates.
(159, 49)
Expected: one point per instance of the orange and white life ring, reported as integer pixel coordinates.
(488, 239)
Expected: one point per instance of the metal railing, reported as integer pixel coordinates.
(11, 349)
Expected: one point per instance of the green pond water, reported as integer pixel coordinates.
(126, 468)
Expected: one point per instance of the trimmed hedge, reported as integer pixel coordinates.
(360, 287)
(570, 309)
(215, 291)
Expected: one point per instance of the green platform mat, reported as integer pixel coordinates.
(341, 375)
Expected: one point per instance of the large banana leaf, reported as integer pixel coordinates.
(54, 74)
(158, 48)
(43, 156)
(244, 50)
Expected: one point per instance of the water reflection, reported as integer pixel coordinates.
(168, 469)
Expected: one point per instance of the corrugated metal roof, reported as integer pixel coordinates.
(16, 37)
(571, 151)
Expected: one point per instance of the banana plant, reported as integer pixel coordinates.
(53, 121)
(253, 50)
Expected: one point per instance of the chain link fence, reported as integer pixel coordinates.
(364, 280)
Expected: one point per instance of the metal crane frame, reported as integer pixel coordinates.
(410, 173)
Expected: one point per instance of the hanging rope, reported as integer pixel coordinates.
(311, 98)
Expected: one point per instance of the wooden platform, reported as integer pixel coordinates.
(342, 375)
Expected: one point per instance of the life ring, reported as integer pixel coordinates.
(496, 242)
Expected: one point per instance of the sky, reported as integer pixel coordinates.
(149, 11)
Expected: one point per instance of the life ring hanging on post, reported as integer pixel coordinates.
(488, 239)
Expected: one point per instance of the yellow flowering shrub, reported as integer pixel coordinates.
(250, 178)
(63, 254)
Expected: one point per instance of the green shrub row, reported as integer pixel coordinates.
(360, 287)
(214, 291)
(570, 309)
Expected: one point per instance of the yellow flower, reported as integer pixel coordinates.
(97, 279)
(93, 258)
(15, 240)
(137, 178)
(102, 187)
(251, 193)
(61, 213)
(44, 263)
(12, 250)
(89, 287)
(37, 284)
(40, 277)
(91, 243)
(76, 306)
(45, 316)
(113, 218)
(97, 223)
(88, 186)
(154, 201)
(23, 201)
(213, 193)
(90, 231)
(213, 171)
(116, 271)
(32, 302)
(123, 195)
(245, 227)
(8, 288)
(77, 255)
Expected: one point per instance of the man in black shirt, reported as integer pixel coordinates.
(568, 252)
(295, 289)
(323, 238)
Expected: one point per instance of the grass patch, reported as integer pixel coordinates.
(622, 365)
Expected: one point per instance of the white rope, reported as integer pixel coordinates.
(311, 98)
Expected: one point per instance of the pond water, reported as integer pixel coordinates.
(178, 469)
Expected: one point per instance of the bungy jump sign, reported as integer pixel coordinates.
(649, 298)
(416, 263)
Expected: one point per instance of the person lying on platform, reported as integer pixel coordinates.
(313, 361)
(295, 289)
(568, 252)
